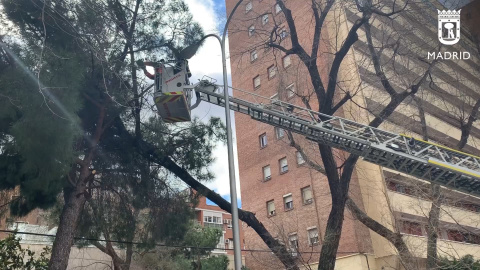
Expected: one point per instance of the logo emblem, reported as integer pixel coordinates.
(449, 26)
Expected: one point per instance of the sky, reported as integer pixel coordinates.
(210, 15)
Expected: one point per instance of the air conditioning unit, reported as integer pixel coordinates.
(268, 178)
(229, 226)
(227, 241)
(272, 213)
(309, 201)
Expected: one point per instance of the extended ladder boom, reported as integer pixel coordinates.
(421, 159)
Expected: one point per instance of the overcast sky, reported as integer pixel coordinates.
(210, 15)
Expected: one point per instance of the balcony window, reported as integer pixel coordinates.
(248, 7)
(293, 243)
(286, 61)
(307, 195)
(279, 132)
(283, 165)
(290, 90)
(272, 71)
(263, 140)
(256, 82)
(253, 55)
(300, 159)
(251, 30)
(288, 202)
(312, 236)
(266, 173)
(283, 34)
(264, 19)
(271, 208)
(278, 9)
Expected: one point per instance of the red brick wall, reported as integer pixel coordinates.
(255, 192)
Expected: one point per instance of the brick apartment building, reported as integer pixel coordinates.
(212, 216)
(291, 199)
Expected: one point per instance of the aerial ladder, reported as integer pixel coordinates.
(422, 159)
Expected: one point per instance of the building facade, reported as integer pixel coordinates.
(213, 216)
(291, 198)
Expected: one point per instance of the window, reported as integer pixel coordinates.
(208, 219)
(312, 236)
(293, 242)
(217, 220)
(256, 82)
(267, 175)
(264, 19)
(253, 55)
(300, 159)
(283, 34)
(400, 188)
(251, 30)
(283, 165)
(288, 202)
(455, 235)
(290, 90)
(307, 195)
(228, 222)
(278, 9)
(272, 71)
(263, 140)
(410, 227)
(270, 208)
(279, 132)
(248, 7)
(286, 61)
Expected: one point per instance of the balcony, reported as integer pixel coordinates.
(419, 207)
(214, 225)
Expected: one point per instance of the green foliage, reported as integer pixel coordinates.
(13, 256)
(215, 263)
(204, 238)
(467, 262)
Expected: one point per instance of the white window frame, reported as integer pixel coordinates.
(272, 71)
(255, 80)
(248, 7)
(265, 19)
(263, 142)
(267, 173)
(279, 132)
(269, 211)
(307, 200)
(288, 202)
(285, 63)
(300, 159)
(253, 55)
(251, 30)
(283, 166)
(310, 238)
(278, 9)
(283, 34)
(290, 89)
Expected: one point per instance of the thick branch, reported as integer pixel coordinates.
(392, 237)
(467, 127)
(352, 37)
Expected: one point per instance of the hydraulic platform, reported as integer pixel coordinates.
(425, 160)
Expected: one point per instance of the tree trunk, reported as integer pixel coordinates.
(74, 202)
(432, 228)
(333, 232)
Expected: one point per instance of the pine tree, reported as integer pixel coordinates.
(74, 111)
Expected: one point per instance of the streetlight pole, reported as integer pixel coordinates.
(231, 166)
(187, 53)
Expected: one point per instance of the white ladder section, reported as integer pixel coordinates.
(421, 159)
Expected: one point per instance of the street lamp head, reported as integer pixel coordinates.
(189, 51)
